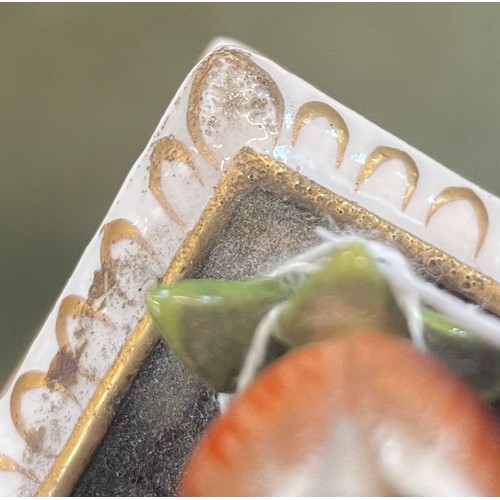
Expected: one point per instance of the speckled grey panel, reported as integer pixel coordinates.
(166, 409)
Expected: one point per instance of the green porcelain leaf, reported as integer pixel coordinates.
(209, 323)
(347, 294)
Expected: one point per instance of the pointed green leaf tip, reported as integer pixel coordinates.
(209, 323)
(348, 293)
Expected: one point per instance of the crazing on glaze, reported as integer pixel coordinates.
(232, 99)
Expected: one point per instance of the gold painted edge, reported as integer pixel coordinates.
(248, 171)
(94, 421)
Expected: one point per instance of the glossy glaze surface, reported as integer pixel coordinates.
(234, 98)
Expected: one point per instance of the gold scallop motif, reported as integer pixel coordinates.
(451, 194)
(227, 71)
(8, 464)
(64, 365)
(378, 157)
(28, 381)
(168, 149)
(117, 230)
(74, 305)
(315, 109)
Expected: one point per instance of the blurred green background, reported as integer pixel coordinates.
(82, 88)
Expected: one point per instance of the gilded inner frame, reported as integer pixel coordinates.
(249, 171)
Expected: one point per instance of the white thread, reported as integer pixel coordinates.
(409, 290)
(257, 350)
(468, 316)
(394, 265)
(224, 399)
(401, 279)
